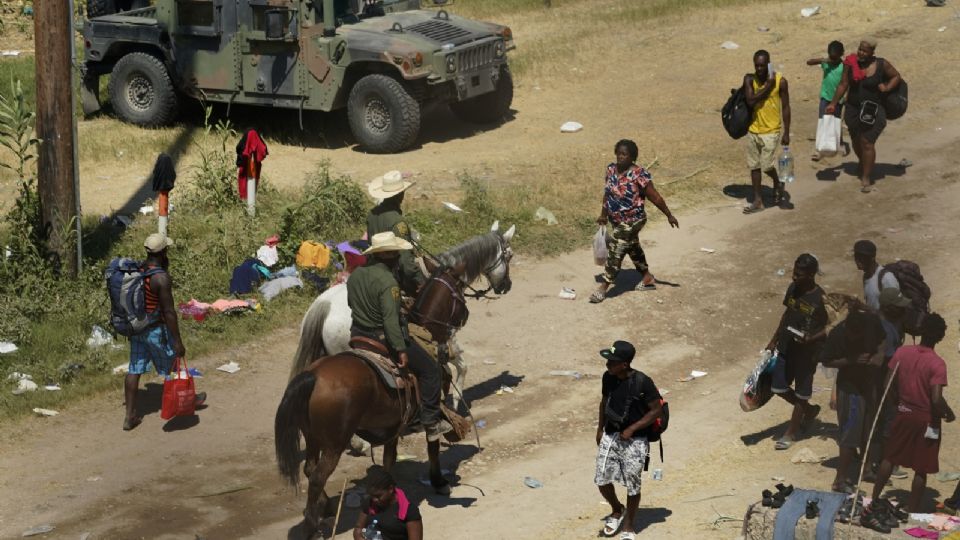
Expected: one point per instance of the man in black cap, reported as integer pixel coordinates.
(865, 256)
(629, 406)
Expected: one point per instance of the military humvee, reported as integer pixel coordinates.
(382, 61)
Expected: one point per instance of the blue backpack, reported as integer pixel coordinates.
(128, 302)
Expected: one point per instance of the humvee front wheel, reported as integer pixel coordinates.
(487, 108)
(141, 91)
(383, 116)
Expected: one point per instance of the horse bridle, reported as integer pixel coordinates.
(503, 255)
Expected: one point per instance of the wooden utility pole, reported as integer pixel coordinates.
(53, 31)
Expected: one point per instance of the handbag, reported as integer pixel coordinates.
(179, 394)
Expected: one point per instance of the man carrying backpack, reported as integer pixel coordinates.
(159, 343)
(630, 407)
(768, 96)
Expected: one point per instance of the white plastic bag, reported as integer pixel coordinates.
(828, 135)
(600, 246)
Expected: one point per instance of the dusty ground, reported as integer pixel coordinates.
(216, 478)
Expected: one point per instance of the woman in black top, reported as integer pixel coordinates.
(397, 517)
(867, 78)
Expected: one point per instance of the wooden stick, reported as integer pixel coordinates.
(866, 451)
(343, 495)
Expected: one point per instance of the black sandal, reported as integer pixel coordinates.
(871, 519)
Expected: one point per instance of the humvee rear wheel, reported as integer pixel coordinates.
(488, 108)
(141, 91)
(383, 116)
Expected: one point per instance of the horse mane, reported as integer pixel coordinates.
(475, 254)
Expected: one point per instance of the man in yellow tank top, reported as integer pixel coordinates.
(768, 96)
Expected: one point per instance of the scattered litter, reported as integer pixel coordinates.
(230, 367)
(893, 230)
(781, 272)
(489, 363)
(942, 29)
(806, 455)
(567, 293)
(146, 210)
(452, 207)
(810, 11)
(24, 386)
(693, 375)
(566, 373)
(688, 378)
(659, 300)
(94, 478)
(16, 376)
(45, 412)
(663, 391)
(504, 388)
(905, 163)
(10, 53)
(542, 214)
(777, 478)
(481, 424)
(194, 372)
(6, 347)
(353, 500)
(99, 337)
(39, 529)
(52, 387)
(729, 45)
(762, 29)
(532, 482)
(571, 127)
(121, 369)
(708, 250)
(944, 476)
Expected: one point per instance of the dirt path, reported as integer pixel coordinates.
(217, 478)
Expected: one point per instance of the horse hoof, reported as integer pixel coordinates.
(443, 490)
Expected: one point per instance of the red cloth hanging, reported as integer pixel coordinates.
(252, 146)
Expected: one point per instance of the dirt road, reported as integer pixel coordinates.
(217, 478)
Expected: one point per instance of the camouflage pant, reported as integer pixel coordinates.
(624, 240)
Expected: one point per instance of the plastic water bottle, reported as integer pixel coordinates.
(371, 532)
(786, 166)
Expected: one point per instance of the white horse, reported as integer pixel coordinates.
(325, 329)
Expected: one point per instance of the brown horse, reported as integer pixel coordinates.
(339, 395)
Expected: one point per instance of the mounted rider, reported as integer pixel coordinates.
(388, 216)
(373, 294)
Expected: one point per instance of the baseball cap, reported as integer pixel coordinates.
(865, 247)
(621, 351)
(156, 242)
(891, 296)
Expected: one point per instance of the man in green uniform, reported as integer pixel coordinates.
(388, 216)
(374, 298)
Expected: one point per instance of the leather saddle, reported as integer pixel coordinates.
(376, 355)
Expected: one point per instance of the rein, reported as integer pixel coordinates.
(477, 294)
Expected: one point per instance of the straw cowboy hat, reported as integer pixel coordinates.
(386, 241)
(388, 185)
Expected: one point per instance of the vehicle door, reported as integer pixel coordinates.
(270, 51)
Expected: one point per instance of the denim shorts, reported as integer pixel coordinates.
(153, 346)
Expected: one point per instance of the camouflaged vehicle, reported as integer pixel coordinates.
(382, 62)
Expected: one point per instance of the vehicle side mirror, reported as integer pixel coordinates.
(278, 21)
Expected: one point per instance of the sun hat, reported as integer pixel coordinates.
(156, 242)
(621, 351)
(387, 241)
(388, 185)
(891, 296)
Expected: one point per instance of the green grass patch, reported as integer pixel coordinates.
(21, 69)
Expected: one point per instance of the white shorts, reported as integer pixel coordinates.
(621, 461)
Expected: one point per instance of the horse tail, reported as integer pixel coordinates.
(311, 336)
(291, 415)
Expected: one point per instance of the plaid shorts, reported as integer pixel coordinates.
(153, 346)
(621, 461)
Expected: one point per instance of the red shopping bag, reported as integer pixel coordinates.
(179, 394)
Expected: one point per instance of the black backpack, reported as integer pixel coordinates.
(914, 288)
(895, 102)
(654, 431)
(736, 115)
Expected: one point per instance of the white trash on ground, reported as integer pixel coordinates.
(708, 250)
(729, 45)
(571, 127)
(452, 207)
(542, 214)
(45, 412)
(230, 367)
(567, 293)
(6, 347)
(810, 11)
(39, 529)
(24, 386)
(99, 337)
(806, 455)
(121, 369)
(566, 373)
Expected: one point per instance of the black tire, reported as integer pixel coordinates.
(99, 8)
(141, 91)
(488, 108)
(383, 116)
